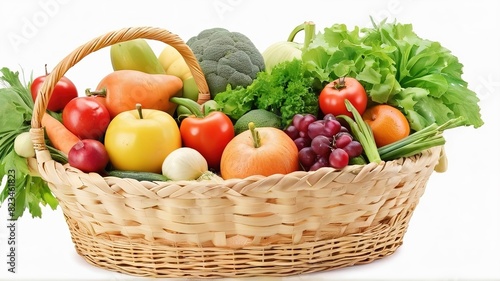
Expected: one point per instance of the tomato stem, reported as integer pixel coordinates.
(99, 93)
(255, 135)
(138, 106)
(340, 84)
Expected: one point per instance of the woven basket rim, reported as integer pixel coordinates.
(357, 169)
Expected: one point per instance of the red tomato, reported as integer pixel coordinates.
(63, 92)
(86, 117)
(332, 97)
(209, 135)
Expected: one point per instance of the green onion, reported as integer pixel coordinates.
(428, 137)
(419, 141)
(362, 132)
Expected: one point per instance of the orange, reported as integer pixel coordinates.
(388, 124)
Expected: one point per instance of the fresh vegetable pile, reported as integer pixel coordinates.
(343, 97)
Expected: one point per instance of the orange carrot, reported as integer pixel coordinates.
(60, 137)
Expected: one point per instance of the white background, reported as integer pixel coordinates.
(454, 233)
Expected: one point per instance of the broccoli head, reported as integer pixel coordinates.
(226, 58)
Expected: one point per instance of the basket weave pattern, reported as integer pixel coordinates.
(258, 226)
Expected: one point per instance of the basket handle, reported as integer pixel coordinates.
(103, 41)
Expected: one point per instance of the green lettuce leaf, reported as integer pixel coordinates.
(421, 77)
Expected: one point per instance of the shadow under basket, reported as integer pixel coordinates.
(280, 225)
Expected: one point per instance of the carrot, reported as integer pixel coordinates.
(61, 138)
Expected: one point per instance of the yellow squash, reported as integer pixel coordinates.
(174, 64)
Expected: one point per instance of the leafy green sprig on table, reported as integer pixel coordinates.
(16, 110)
(397, 67)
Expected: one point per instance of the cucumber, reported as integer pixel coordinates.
(360, 160)
(138, 175)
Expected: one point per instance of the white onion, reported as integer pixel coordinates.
(184, 164)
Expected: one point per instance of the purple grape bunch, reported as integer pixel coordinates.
(322, 142)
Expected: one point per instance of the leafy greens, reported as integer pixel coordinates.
(16, 109)
(397, 67)
(284, 91)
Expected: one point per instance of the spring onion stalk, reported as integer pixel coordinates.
(362, 132)
(424, 133)
(419, 141)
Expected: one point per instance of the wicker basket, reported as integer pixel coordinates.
(279, 225)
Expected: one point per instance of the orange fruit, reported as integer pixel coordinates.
(388, 124)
